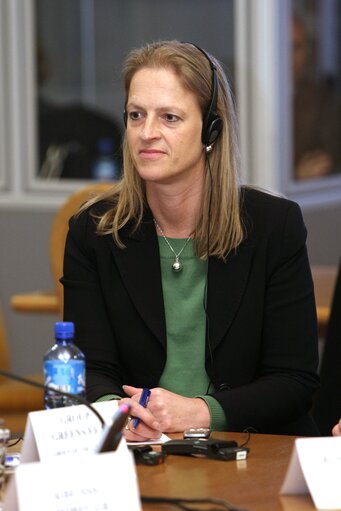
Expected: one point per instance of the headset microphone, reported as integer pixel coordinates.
(224, 386)
(211, 129)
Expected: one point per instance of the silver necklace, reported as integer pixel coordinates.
(177, 265)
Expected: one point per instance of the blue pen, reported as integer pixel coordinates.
(143, 402)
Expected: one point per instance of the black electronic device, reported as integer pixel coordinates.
(211, 448)
(144, 455)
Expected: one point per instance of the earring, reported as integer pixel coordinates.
(208, 148)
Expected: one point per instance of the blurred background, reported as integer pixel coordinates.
(61, 101)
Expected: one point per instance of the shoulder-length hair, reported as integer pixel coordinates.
(219, 217)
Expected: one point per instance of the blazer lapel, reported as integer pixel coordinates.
(226, 285)
(139, 266)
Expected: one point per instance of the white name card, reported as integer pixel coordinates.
(64, 431)
(96, 482)
(315, 468)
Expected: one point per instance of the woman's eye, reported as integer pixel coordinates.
(171, 117)
(134, 116)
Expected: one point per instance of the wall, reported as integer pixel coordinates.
(324, 234)
(25, 268)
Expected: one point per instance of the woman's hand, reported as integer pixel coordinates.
(171, 412)
(148, 428)
(337, 429)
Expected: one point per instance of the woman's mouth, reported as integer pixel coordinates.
(151, 154)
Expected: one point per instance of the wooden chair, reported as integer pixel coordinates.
(16, 399)
(60, 228)
(52, 301)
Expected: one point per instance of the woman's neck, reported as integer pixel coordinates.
(175, 212)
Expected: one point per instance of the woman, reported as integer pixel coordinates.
(227, 341)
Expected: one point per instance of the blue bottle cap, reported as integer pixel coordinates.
(64, 329)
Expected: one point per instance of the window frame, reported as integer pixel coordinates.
(263, 86)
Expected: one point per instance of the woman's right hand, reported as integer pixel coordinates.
(148, 427)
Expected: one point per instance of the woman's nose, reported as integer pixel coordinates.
(150, 128)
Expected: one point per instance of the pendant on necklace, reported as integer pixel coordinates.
(177, 266)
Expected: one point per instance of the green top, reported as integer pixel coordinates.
(183, 294)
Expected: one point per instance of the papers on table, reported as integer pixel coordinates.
(162, 440)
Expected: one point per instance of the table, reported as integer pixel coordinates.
(253, 484)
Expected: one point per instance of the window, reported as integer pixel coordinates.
(80, 47)
(316, 90)
(61, 95)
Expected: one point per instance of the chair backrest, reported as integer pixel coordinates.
(60, 227)
(327, 402)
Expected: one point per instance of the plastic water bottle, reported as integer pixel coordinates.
(106, 167)
(64, 367)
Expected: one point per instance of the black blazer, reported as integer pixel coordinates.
(261, 309)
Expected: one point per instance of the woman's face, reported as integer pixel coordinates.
(164, 128)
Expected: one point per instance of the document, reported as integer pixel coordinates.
(164, 438)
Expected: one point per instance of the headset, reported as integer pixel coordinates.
(212, 122)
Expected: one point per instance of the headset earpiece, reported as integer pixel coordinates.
(211, 131)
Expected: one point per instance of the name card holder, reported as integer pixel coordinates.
(315, 468)
(88, 482)
(65, 431)
(60, 470)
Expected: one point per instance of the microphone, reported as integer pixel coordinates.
(112, 435)
(79, 399)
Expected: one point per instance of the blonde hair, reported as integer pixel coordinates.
(220, 214)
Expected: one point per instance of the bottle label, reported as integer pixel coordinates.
(68, 377)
